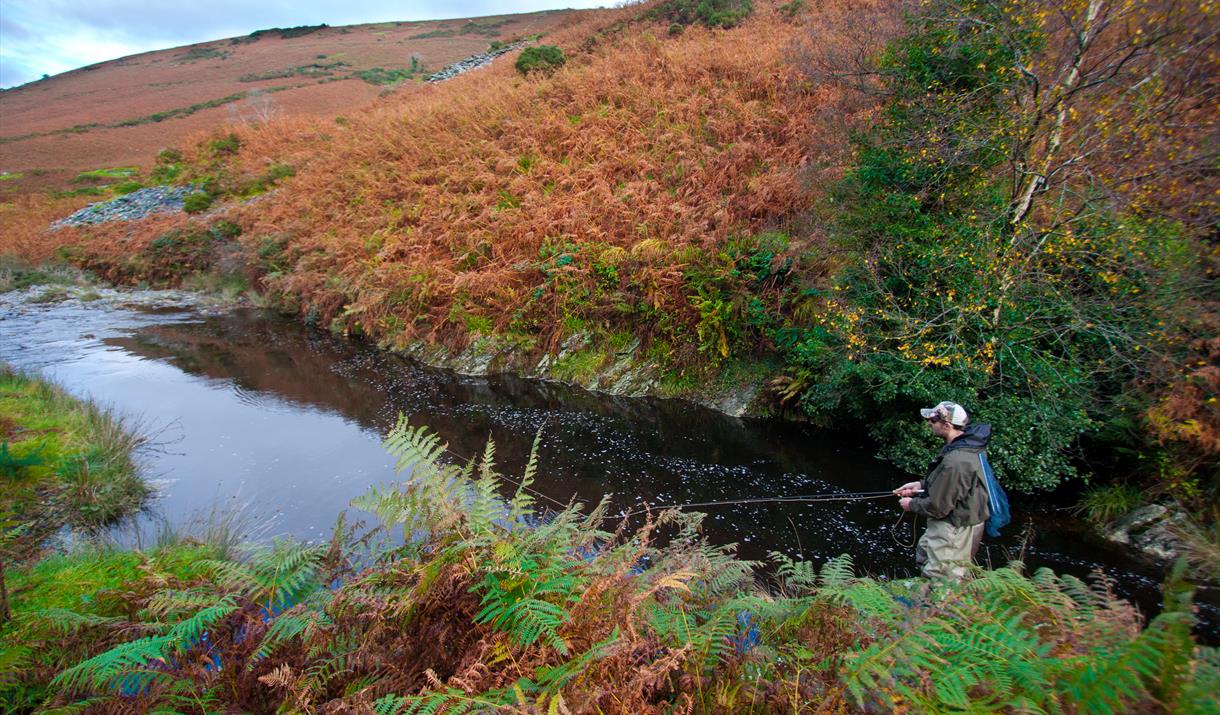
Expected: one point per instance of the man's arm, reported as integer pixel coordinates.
(946, 490)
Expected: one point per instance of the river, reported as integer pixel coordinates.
(255, 414)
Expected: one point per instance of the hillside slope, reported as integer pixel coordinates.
(121, 112)
(537, 207)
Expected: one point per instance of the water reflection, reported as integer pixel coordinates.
(290, 419)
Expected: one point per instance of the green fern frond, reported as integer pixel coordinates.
(80, 706)
(63, 622)
(486, 507)
(284, 628)
(277, 576)
(522, 503)
(525, 619)
(416, 448)
(794, 576)
(837, 572)
(129, 662)
(553, 679)
(232, 575)
(173, 605)
(1201, 694)
(187, 633)
(106, 670)
(450, 702)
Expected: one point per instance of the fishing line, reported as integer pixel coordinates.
(898, 524)
(805, 499)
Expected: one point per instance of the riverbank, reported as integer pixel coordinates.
(246, 348)
(63, 462)
(479, 612)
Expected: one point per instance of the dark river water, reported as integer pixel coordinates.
(260, 414)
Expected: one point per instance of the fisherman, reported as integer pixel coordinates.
(953, 496)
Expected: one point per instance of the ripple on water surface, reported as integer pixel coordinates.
(255, 410)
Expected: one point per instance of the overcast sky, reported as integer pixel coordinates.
(40, 37)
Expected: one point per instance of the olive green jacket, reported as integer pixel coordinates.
(955, 488)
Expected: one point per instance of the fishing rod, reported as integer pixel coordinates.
(806, 498)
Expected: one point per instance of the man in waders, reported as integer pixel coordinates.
(954, 494)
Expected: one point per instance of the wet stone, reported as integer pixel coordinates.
(136, 205)
(470, 63)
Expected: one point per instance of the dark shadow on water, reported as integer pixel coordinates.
(273, 387)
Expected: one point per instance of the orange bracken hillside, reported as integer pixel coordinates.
(529, 206)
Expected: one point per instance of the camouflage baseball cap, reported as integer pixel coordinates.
(947, 411)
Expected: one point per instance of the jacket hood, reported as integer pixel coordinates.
(976, 437)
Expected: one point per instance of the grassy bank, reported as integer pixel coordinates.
(484, 607)
(63, 462)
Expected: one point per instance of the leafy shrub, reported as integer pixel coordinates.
(710, 13)
(226, 229)
(203, 53)
(542, 58)
(947, 295)
(226, 145)
(285, 33)
(197, 203)
(121, 172)
(380, 75)
(793, 8)
(169, 156)
(177, 253)
(1102, 505)
(126, 187)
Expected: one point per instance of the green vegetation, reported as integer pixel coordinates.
(203, 53)
(580, 366)
(121, 172)
(168, 168)
(227, 144)
(487, 29)
(178, 112)
(126, 187)
(960, 281)
(228, 286)
(542, 58)
(15, 275)
(1102, 505)
(482, 606)
(379, 75)
(197, 203)
(434, 34)
(284, 33)
(310, 70)
(82, 191)
(62, 463)
(73, 595)
(793, 8)
(11, 175)
(710, 13)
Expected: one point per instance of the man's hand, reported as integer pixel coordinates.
(909, 489)
(905, 503)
